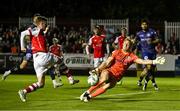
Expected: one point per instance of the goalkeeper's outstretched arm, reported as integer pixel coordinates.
(158, 60)
(105, 64)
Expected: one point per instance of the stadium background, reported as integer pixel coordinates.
(77, 13)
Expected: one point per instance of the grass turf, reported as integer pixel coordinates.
(127, 96)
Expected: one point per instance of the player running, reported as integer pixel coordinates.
(42, 59)
(147, 39)
(27, 57)
(112, 70)
(60, 68)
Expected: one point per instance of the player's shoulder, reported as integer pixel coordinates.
(139, 32)
(103, 35)
(51, 46)
(59, 45)
(92, 37)
(32, 26)
(151, 30)
(120, 36)
(33, 29)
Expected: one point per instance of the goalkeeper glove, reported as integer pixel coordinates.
(159, 60)
(94, 72)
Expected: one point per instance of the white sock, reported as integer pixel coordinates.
(70, 79)
(54, 81)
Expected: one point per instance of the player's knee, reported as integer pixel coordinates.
(22, 66)
(104, 76)
(40, 85)
(107, 86)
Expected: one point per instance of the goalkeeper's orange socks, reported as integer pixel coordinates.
(97, 92)
(92, 88)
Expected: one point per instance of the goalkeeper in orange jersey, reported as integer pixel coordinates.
(112, 70)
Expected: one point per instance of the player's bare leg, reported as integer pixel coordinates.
(53, 78)
(31, 88)
(72, 81)
(153, 79)
(143, 74)
(14, 69)
(147, 78)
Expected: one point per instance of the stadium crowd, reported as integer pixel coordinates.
(72, 39)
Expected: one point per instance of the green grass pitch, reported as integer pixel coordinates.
(127, 96)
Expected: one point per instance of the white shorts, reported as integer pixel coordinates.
(98, 61)
(43, 61)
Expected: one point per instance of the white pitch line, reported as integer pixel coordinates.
(124, 94)
(136, 93)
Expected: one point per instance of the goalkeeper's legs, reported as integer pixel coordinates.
(105, 82)
(104, 76)
(110, 83)
(86, 95)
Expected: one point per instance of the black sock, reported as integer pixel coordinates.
(15, 68)
(51, 72)
(140, 78)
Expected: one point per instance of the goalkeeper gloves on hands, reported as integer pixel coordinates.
(94, 72)
(159, 60)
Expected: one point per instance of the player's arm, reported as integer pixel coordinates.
(88, 46)
(115, 46)
(61, 51)
(155, 41)
(108, 48)
(87, 49)
(136, 45)
(115, 43)
(158, 60)
(104, 65)
(46, 30)
(22, 39)
(156, 38)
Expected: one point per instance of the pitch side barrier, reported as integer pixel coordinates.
(81, 64)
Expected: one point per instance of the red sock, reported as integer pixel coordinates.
(98, 92)
(92, 88)
(69, 74)
(32, 88)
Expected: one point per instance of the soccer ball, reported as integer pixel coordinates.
(92, 80)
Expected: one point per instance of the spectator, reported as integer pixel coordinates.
(171, 45)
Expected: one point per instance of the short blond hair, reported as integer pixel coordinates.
(130, 40)
(40, 18)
